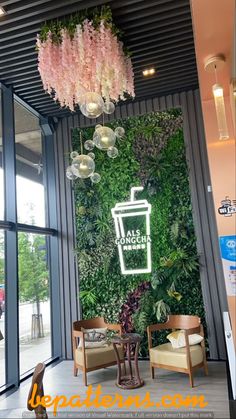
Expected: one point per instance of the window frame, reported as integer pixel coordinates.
(12, 227)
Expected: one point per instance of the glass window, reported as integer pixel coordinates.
(1, 166)
(29, 168)
(2, 310)
(34, 300)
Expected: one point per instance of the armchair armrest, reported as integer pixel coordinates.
(188, 332)
(78, 334)
(192, 330)
(75, 335)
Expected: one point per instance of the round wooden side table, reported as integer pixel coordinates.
(131, 380)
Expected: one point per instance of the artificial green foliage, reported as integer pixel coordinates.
(152, 154)
(96, 15)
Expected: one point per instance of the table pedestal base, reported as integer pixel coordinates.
(128, 380)
(127, 383)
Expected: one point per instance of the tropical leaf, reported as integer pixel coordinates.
(174, 294)
(142, 323)
(161, 310)
(88, 296)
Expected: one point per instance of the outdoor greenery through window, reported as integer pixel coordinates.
(34, 300)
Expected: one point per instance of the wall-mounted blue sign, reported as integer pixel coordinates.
(228, 254)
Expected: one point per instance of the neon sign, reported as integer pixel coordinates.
(130, 240)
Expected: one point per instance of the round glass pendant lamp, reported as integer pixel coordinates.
(120, 132)
(104, 138)
(92, 105)
(112, 152)
(70, 173)
(109, 107)
(83, 166)
(95, 177)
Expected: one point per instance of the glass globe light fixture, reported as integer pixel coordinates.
(112, 152)
(89, 145)
(104, 138)
(83, 166)
(95, 177)
(109, 107)
(95, 138)
(120, 132)
(98, 126)
(92, 155)
(92, 105)
(74, 154)
(70, 173)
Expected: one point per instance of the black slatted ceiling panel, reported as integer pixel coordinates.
(157, 32)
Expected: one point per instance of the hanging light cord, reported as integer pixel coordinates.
(81, 142)
(216, 74)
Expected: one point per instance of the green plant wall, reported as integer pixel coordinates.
(152, 154)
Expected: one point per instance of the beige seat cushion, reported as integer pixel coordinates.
(167, 355)
(97, 356)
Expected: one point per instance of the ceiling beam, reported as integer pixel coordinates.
(157, 62)
(18, 71)
(18, 57)
(152, 22)
(152, 9)
(38, 14)
(165, 71)
(37, 87)
(18, 62)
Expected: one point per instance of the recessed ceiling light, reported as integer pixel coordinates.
(2, 11)
(149, 72)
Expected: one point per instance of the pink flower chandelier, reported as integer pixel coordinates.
(89, 61)
(83, 63)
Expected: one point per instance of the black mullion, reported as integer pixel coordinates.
(52, 222)
(6, 225)
(36, 230)
(11, 243)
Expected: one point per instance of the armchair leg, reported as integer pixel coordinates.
(205, 368)
(152, 372)
(75, 371)
(40, 412)
(85, 378)
(191, 379)
(124, 367)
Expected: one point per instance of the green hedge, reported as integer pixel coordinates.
(152, 154)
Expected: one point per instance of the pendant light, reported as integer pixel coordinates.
(214, 64)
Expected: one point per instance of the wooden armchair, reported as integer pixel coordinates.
(95, 358)
(37, 379)
(186, 359)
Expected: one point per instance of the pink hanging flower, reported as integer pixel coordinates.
(92, 60)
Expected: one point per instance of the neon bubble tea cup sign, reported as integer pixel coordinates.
(132, 240)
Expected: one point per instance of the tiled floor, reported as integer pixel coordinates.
(29, 354)
(60, 380)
